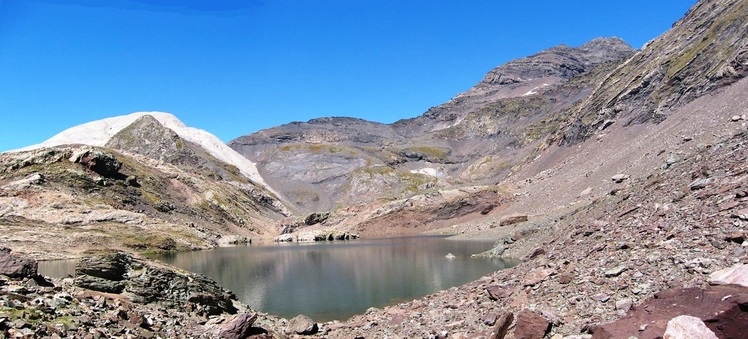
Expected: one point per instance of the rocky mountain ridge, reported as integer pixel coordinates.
(476, 138)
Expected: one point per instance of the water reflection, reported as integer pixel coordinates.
(336, 280)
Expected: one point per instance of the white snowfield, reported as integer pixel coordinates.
(98, 133)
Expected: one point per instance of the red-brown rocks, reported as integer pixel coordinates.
(722, 308)
(16, 267)
(531, 325)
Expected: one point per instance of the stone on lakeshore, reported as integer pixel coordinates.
(495, 252)
(302, 324)
(103, 273)
(238, 327)
(513, 218)
(284, 238)
(305, 237)
(16, 267)
(732, 275)
(687, 327)
(531, 325)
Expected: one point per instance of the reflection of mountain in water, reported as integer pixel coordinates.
(335, 281)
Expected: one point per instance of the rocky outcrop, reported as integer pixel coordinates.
(148, 137)
(100, 162)
(146, 283)
(512, 219)
(702, 52)
(35, 308)
(16, 267)
(316, 218)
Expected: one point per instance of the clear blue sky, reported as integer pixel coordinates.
(235, 67)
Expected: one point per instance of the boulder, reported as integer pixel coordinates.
(699, 184)
(495, 252)
(723, 308)
(239, 327)
(687, 327)
(502, 326)
(496, 292)
(302, 324)
(537, 275)
(513, 218)
(108, 267)
(616, 271)
(624, 305)
(733, 275)
(16, 267)
(531, 325)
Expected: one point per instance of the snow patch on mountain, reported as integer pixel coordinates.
(98, 133)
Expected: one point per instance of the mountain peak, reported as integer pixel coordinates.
(100, 132)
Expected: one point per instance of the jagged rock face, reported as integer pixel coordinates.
(149, 283)
(147, 136)
(705, 50)
(522, 77)
(476, 138)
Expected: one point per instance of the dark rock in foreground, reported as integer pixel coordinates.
(16, 267)
(724, 310)
(148, 283)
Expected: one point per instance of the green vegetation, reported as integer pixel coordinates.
(706, 46)
(315, 148)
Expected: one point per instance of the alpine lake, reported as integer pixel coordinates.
(333, 280)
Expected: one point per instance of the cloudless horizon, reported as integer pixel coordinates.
(235, 67)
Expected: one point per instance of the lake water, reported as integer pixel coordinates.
(336, 280)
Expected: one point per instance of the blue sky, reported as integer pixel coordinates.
(235, 67)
